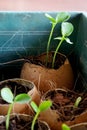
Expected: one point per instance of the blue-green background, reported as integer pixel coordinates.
(26, 33)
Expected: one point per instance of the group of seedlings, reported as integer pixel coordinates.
(9, 97)
(6, 93)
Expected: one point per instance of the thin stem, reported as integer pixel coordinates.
(54, 57)
(49, 40)
(8, 116)
(34, 120)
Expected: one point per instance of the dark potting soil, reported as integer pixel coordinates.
(17, 123)
(39, 60)
(64, 102)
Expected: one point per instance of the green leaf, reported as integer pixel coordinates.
(67, 29)
(22, 98)
(34, 106)
(78, 100)
(62, 16)
(7, 95)
(65, 127)
(50, 18)
(68, 41)
(45, 105)
(58, 38)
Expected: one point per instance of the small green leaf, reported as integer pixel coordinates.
(7, 95)
(22, 98)
(34, 106)
(68, 41)
(62, 16)
(58, 38)
(50, 18)
(67, 29)
(78, 100)
(45, 105)
(65, 127)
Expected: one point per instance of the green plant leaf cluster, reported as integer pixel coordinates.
(66, 30)
(8, 96)
(60, 17)
(38, 109)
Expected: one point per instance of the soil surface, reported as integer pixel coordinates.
(41, 60)
(17, 123)
(64, 102)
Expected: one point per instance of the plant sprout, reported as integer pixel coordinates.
(66, 30)
(8, 96)
(78, 100)
(65, 127)
(42, 107)
(61, 17)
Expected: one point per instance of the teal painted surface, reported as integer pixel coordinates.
(26, 33)
(23, 34)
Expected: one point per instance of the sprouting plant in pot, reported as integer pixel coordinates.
(52, 79)
(78, 100)
(8, 96)
(60, 17)
(65, 127)
(66, 30)
(38, 109)
(76, 105)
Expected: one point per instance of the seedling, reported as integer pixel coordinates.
(8, 96)
(78, 100)
(61, 17)
(42, 107)
(65, 127)
(66, 30)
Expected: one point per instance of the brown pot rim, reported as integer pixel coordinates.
(78, 125)
(20, 108)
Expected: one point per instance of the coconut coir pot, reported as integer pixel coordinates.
(63, 102)
(19, 86)
(46, 77)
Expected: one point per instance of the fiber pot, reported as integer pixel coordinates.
(80, 126)
(46, 78)
(63, 102)
(23, 121)
(19, 86)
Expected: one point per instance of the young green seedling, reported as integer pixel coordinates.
(61, 17)
(8, 96)
(66, 30)
(78, 100)
(65, 127)
(42, 107)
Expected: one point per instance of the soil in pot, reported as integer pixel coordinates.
(19, 86)
(63, 102)
(46, 78)
(23, 122)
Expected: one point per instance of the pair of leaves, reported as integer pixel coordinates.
(66, 30)
(62, 16)
(8, 96)
(42, 107)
